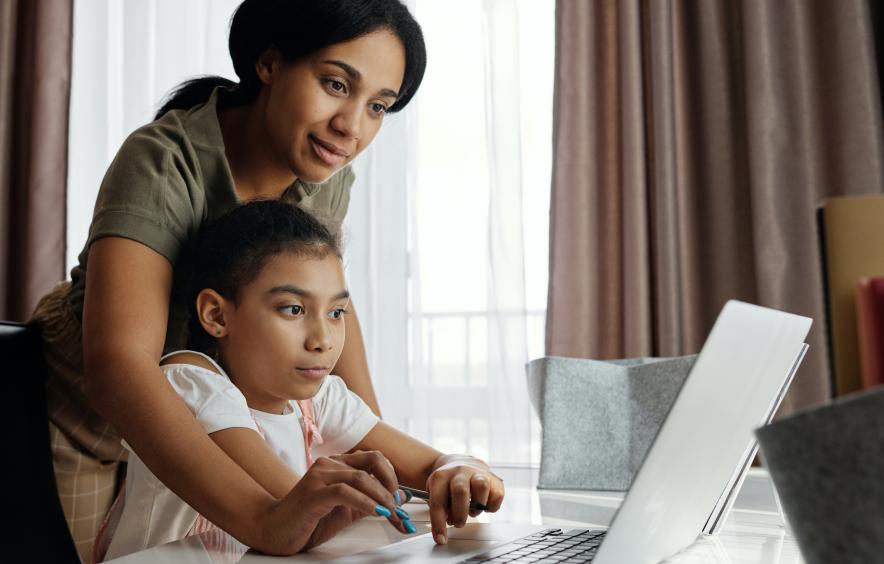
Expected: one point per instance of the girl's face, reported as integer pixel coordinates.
(287, 331)
(324, 109)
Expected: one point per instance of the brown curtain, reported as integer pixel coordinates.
(693, 141)
(35, 58)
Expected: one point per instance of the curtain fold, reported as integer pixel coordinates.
(34, 92)
(693, 142)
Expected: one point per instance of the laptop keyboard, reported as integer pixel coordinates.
(551, 545)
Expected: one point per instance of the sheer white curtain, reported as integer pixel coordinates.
(126, 57)
(447, 229)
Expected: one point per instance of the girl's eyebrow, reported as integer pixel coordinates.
(290, 289)
(356, 75)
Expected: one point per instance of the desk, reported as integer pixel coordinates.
(753, 533)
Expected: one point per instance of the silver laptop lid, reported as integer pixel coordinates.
(741, 369)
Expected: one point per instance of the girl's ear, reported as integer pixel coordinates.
(267, 64)
(210, 307)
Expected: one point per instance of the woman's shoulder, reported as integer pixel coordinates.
(164, 137)
(178, 133)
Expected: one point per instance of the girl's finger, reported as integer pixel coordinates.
(437, 486)
(460, 499)
(495, 496)
(480, 488)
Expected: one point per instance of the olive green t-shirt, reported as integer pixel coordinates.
(168, 178)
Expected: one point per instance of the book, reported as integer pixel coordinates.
(851, 237)
(870, 330)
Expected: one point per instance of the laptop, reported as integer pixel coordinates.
(691, 473)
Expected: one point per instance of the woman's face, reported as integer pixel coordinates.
(324, 109)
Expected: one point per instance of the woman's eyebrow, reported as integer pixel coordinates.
(290, 289)
(356, 75)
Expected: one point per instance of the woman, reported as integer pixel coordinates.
(315, 80)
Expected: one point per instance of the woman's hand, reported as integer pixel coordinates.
(455, 481)
(334, 493)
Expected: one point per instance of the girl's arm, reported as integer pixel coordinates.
(245, 446)
(248, 449)
(124, 327)
(352, 365)
(452, 480)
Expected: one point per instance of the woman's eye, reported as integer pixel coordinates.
(336, 86)
(293, 309)
(379, 109)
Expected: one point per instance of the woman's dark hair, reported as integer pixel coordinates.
(231, 251)
(297, 28)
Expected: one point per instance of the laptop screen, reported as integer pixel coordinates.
(740, 372)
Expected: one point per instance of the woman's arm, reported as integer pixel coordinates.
(352, 365)
(452, 480)
(124, 326)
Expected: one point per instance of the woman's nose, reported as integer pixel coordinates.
(348, 121)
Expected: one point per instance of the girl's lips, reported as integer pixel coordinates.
(332, 156)
(316, 373)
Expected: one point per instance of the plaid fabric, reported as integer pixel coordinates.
(86, 449)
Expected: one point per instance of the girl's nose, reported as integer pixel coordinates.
(319, 338)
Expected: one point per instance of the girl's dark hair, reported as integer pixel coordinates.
(297, 28)
(231, 251)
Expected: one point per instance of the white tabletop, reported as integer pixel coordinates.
(753, 533)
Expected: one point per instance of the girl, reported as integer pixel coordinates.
(269, 325)
(315, 82)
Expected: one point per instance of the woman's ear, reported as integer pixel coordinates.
(210, 306)
(267, 65)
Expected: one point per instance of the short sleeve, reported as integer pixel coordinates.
(213, 399)
(342, 417)
(145, 196)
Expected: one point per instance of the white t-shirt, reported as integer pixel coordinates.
(151, 514)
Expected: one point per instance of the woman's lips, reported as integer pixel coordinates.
(329, 154)
(314, 373)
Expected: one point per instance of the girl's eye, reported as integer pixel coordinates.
(379, 109)
(337, 313)
(293, 309)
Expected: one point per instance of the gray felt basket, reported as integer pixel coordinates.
(827, 465)
(600, 417)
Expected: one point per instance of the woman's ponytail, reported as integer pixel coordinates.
(191, 93)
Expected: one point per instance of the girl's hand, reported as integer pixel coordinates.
(332, 494)
(454, 482)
